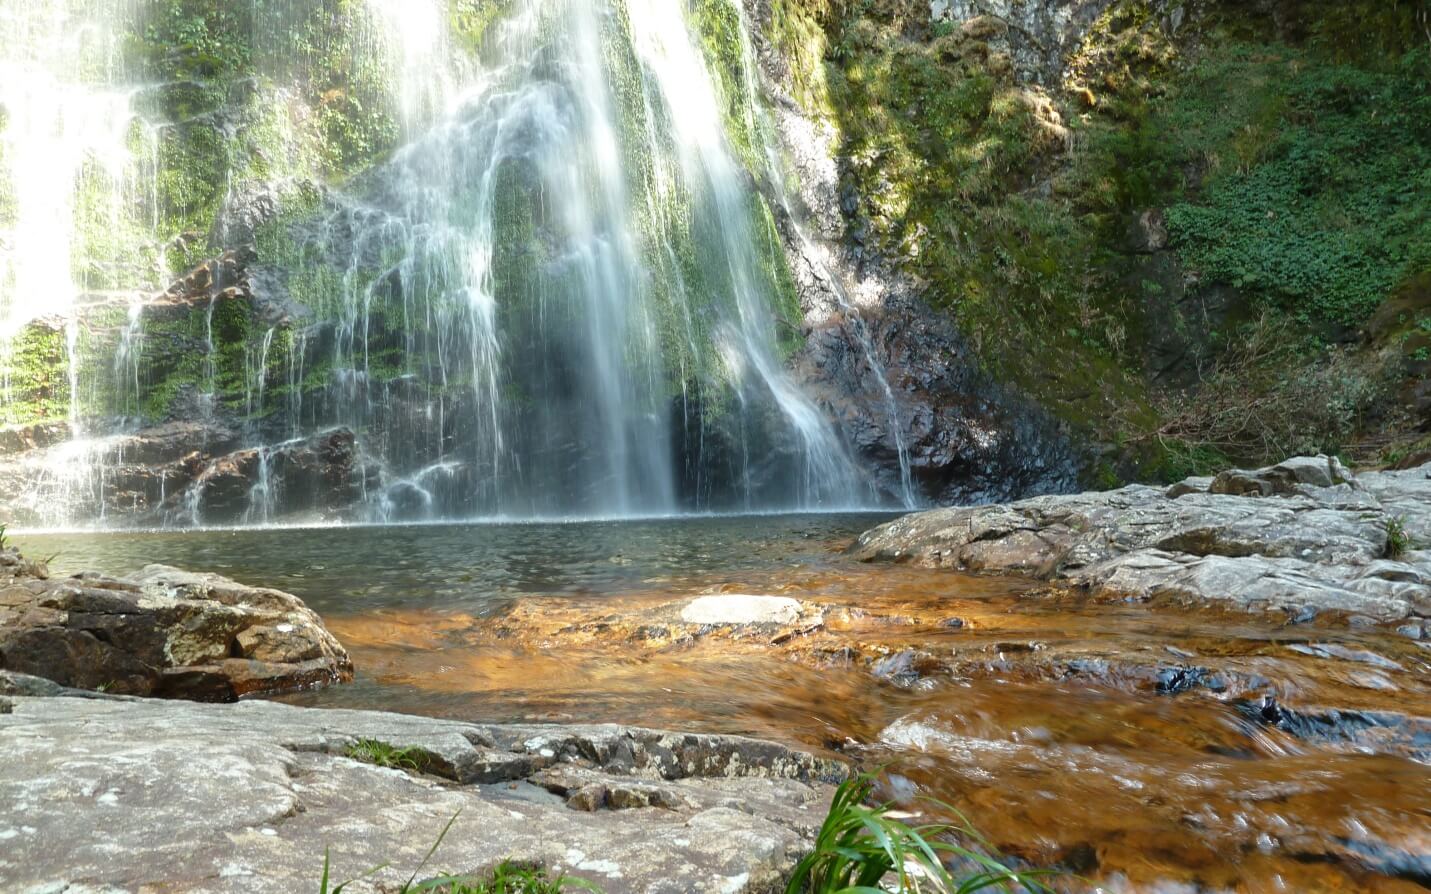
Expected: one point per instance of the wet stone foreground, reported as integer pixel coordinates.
(1144, 743)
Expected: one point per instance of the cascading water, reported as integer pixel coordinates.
(560, 296)
(758, 125)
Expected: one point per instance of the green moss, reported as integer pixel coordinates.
(718, 25)
(34, 384)
(1294, 174)
(471, 21)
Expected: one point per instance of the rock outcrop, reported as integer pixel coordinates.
(166, 633)
(1302, 535)
(129, 795)
(896, 378)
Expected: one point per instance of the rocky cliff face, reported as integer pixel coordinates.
(1145, 265)
(897, 377)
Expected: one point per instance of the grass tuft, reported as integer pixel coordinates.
(372, 751)
(862, 849)
(508, 877)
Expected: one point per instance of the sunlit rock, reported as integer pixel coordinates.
(739, 608)
(185, 797)
(1303, 534)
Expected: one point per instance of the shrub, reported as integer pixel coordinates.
(1397, 540)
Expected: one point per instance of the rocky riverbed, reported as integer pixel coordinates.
(1157, 739)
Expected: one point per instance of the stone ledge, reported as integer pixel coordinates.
(144, 795)
(1303, 535)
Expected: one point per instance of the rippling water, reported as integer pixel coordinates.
(1131, 744)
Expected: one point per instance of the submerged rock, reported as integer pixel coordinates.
(165, 632)
(1303, 534)
(137, 795)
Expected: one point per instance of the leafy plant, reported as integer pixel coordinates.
(1397, 540)
(860, 846)
(2, 535)
(372, 751)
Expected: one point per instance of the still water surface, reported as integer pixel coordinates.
(1068, 730)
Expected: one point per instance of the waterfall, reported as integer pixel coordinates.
(558, 295)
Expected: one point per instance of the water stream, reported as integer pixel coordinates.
(1147, 748)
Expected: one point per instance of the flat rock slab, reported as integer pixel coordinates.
(129, 795)
(1301, 535)
(740, 608)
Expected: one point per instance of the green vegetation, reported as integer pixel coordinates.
(507, 877)
(1397, 540)
(860, 846)
(1191, 226)
(1323, 209)
(34, 381)
(382, 754)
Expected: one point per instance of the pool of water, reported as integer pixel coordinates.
(1120, 741)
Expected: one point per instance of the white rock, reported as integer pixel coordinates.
(741, 608)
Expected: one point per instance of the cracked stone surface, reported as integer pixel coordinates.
(129, 795)
(165, 632)
(1303, 535)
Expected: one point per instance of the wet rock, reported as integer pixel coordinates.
(166, 632)
(324, 473)
(1174, 680)
(184, 797)
(1300, 536)
(1333, 650)
(899, 388)
(1381, 731)
(907, 668)
(738, 608)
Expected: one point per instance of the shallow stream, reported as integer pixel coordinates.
(1145, 747)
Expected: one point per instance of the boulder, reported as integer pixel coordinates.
(1285, 478)
(165, 632)
(1303, 534)
(131, 795)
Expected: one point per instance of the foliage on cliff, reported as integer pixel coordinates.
(1179, 243)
